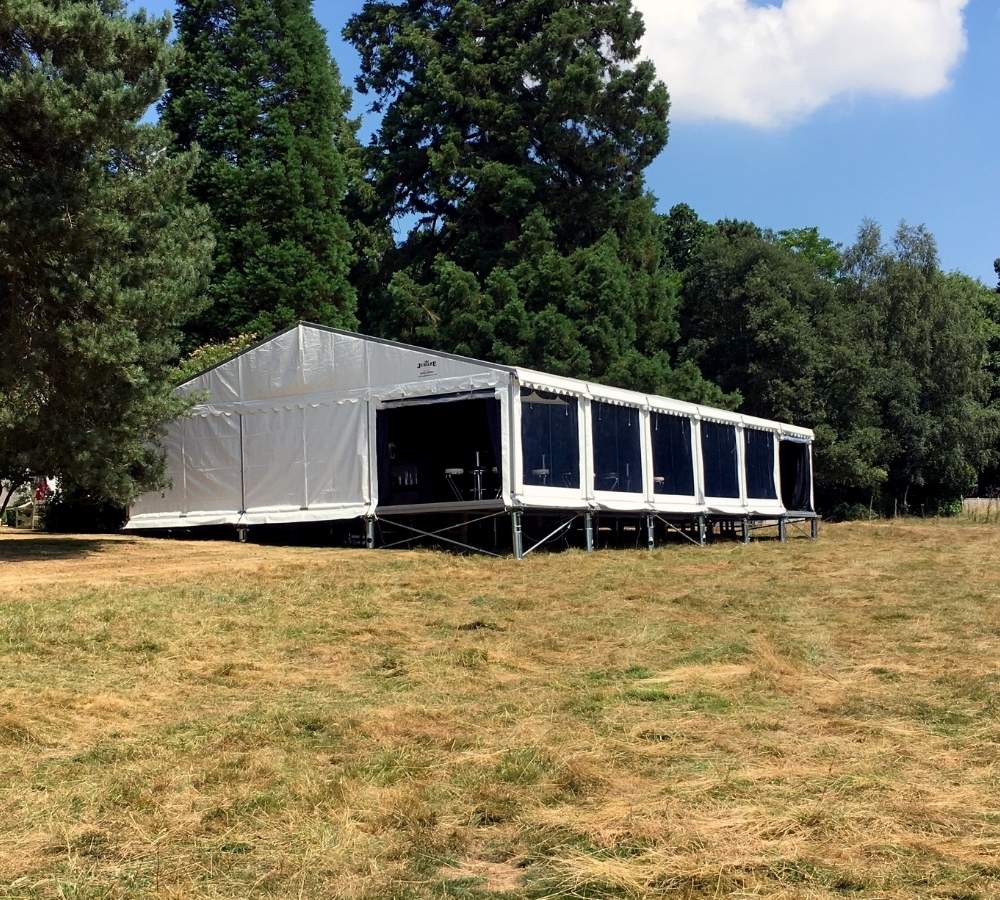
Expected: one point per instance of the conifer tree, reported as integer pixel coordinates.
(102, 252)
(513, 141)
(256, 89)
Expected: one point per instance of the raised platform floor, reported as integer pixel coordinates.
(521, 531)
(490, 528)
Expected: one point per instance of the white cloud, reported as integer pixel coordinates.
(776, 64)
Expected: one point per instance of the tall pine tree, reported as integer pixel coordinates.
(513, 141)
(102, 253)
(255, 88)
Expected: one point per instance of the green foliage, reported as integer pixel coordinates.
(748, 304)
(102, 253)
(761, 318)
(255, 88)
(950, 509)
(208, 355)
(823, 253)
(683, 229)
(889, 359)
(989, 477)
(73, 510)
(929, 337)
(513, 143)
(850, 512)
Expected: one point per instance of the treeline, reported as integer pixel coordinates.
(499, 210)
(892, 361)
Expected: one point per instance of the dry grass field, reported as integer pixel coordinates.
(207, 719)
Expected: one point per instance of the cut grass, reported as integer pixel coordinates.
(204, 719)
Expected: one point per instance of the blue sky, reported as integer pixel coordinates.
(897, 119)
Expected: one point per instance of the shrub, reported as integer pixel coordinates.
(72, 509)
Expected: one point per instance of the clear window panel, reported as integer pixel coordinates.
(720, 460)
(673, 461)
(617, 448)
(550, 439)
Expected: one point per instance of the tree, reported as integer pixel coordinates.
(761, 317)
(683, 228)
(748, 318)
(207, 356)
(513, 141)
(822, 252)
(928, 334)
(883, 354)
(256, 90)
(988, 484)
(102, 253)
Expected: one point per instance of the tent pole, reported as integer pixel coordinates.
(517, 536)
(370, 532)
(650, 532)
(814, 527)
(782, 530)
(746, 530)
(241, 533)
(701, 530)
(588, 530)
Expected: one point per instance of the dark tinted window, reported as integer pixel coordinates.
(760, 464)
(720, 460)
(796, 476)
(617, 448)
(673, 465)
(550, 439)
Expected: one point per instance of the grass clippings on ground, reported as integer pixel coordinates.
(219, 720)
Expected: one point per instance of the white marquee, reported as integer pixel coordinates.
(291, 430)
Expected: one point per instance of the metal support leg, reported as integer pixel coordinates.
(517, 536)
(241, 533)
(650, 532)
(746, 530)
(814, 528)
(588, 531)
(782, 530)
(370, 533)
(701, 530)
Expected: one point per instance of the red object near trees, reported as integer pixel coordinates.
(42, 490)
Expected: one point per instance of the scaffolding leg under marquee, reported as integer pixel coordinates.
(517, 535)
(558, 531)
(567, 527)
(439, 534)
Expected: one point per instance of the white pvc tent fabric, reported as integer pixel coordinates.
(285, 432)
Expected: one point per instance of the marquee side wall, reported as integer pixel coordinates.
(285, 431)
